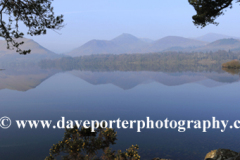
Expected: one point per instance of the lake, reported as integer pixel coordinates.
(47, 94)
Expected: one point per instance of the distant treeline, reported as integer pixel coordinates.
(165, 62)
(234, 64)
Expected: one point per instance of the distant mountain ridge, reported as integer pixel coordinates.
(211, 37)
(124, 43)
(224, 44)
(127, 43)
(175, 41)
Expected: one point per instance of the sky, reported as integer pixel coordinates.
(107, 19)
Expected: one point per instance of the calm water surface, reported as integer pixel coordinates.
(35, 93)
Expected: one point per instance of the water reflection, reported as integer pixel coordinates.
(232, 71)
(23, 79)
(129, 80)
(51, 94)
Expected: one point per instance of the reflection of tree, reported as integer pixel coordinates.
(232, 71)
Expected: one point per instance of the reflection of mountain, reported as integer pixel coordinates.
(128, 80)
(223, 77)
(23, 79)
(124, 80)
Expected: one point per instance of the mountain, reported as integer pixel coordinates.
(211, 37)
(95, 47)
(38, 52)
(28, 44)
(124, 43)
(126, 39)
(222, 44)
(127, 43)
(147, 40)
(232, 43)
(175, 42)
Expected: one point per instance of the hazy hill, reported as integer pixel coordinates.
(211, 37)
(94, 47)
(38, 52)
(127, 43)
(223, 44)
(126, 39)
(147, 40)
(176, 42)
(28, 44)
(124, 43)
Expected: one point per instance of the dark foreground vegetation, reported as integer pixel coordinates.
(165, 62)
(82, 144)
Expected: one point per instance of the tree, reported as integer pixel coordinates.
(209, 10)
(36, 15)
(82, 144)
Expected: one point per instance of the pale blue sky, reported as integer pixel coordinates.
(106, 19)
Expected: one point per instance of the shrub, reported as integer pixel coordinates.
(82, 144)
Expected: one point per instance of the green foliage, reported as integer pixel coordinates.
(209, 10)
(36, 15)
(82, 144)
